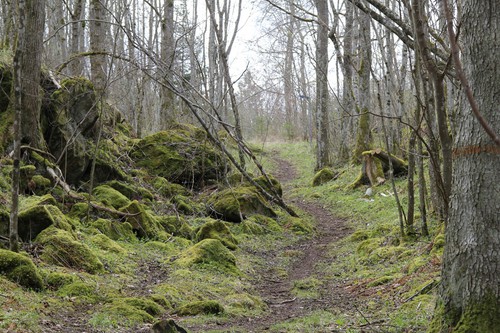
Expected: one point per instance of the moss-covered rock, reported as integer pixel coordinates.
(215, 229)
(185, 205)
(56, 280)
(168, 189)
(323, 176)
(110, 197)
(131, 192)
(182, 155)
(42, 184)
(366, 247)
(209, 253)
(269, 224)
(62, 248)
(176, 225)
(236, 204)
(200, 307)
(144, 223)
(105, 243)
(85, 291)
(275, 185)
(115, 230)
(20, 269)
(34, 220)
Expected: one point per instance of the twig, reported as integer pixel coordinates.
(428, 287)
(285, 301)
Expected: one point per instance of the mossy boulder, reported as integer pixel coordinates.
(42, 184)
(186, 205)
(143, 222)
(236, 204)
(200, 307)
(130, 311)
(215, 229)
(274, 187)
(105, 243)
(209, 253)
(110, 197)
(268, 223)
(323, 176)
(20, 269)
(115, 230)
(130, 191)
(176, 225)
(168, 189)
(70, 121)
(85, 291)
(34, 220)
(61, 248)
(183, 155)
(56, 280)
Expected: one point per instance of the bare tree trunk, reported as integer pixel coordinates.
(98, 68)
(289, 92)
(169, 112)
(364, 136)
(75, 67)
(323, 157)
(470, 293)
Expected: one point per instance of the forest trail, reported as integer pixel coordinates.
(277, 290)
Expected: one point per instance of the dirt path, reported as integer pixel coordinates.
(277, 291)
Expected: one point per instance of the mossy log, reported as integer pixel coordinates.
(399, 166)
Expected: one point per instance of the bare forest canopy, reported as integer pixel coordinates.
(396, 88)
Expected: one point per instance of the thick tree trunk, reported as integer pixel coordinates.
(98, 66)
(470, 294)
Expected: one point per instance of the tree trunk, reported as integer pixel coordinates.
(31, 63)
(289, 92)
(98, 68)
(470, 293)
(322, 123)
(363, 136)
(168, 107)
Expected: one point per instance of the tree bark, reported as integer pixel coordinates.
(470, 293)
(31, 63)
(323, 157)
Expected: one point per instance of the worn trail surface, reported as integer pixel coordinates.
(312, 253)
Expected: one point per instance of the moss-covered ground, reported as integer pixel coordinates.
(162, 262)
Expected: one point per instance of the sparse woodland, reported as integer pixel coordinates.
(249, 166)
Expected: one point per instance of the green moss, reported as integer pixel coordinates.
(244, 302)
(275, 185)
(266, 222)
(35, 200)
(144, 223)
(79, 210)
(131, 192)
(215, 229)
(42, 184)
(61, 248)
(20, 269)
(298, 225)
(366, 247)
(306, 288)
(438, 245)
(84, 291)
(384, 253)
(359, 235)
(250, 227)
(185, 205)
(182, 155)
(416, 263)
(200, 307)
(477, 317)
(176, 225)
(380, 281)
(323, 176)
(105, 243)
(236, 204)
(168, 189)
(56, 280)
(209, 253)
(115, 230)
(34, 220)
(110, 197)
(144, 304)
